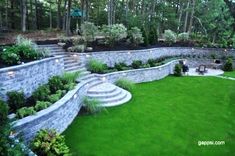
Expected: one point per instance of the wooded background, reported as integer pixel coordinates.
(214, 19)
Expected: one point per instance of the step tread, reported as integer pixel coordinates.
(116, 103)
(103, 88)
(105, 95)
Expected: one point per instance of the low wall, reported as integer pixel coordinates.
(127, 56)
(142, 75)
(29, 76)
(58, 116)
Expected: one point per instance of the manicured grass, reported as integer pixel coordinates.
(230, 74)
(166, 117)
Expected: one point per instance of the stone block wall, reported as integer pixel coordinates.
(29, 76)
(127, 56)
(142, 75)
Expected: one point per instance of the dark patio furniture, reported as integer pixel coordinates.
(201, 69)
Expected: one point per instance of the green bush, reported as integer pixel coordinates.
(114, 33)
(70, 77)
(27, 53)
(92, 105)
(89, 31)
(125, 84)
(10, 56)
(152, 62)
(228, 66)
(16, 100)
(55, 97)
(40, 105)
(41, 94)
(178, 70)
(77, 48)
(169, 36)
(69, 86)
(3, 113)
(135, 36)
(55, 83)
(25, 111)
(7, 146)
(49, 143)
(136, 64)
(183, 36)
(120, 66)
(96, 66)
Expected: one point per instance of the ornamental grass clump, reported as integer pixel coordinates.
(178, 70)
(169, 36)
(92, 105)
(96, 66)
(125, 84)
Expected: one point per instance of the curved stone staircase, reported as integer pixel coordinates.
(108, 94)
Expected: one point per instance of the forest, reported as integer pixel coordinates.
(209, 21)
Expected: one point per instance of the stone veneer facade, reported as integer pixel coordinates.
(127, 56)
(29, 76)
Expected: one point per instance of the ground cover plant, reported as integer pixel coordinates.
(43, 97)
(165, 116)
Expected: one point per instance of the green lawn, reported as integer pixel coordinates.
(166, 117)
(230, 74)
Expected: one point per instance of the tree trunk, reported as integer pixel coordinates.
(12, 15)
(6, 16)
(180, 17)
(64, 16)
(36, 15)
(31, 14)
(186, 18)
(59, 14)
(82, 10)
(50, 16)
(87, 10)
(68, 32)
(23, 15)
(191, 17)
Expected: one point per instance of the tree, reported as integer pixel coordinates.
(23, 15)
(68, 17)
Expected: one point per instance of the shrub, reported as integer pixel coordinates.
(135, 36)
(21, 41)
(27, 53)
(136, 64)
(70, 77)
(49, 143)
(77, 48)
(55, 97)
(183, 36)
(3, 112)
(114, 33)
(69, 86)
(55, 83)
(10, 56)
(120, 66)
(125, 84)
(151, 62)
(92, 105)
(25, 111)
(89, 31)
(40, 105)
(169, 36)
(228, 66)
(178, 70)
(41, 94)
(96, 66)
(15, 100)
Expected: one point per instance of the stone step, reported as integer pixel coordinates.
(69, 65)
(86, 77)
(49, 45)
(75, 68)
(120, 102)
(113, 99)
(85, 73)
(105, 95)
(104, 88)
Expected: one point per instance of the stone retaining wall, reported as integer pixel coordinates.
(61, 114)
(58, 116)
(142, 75)
(29, 76)
(127, 56)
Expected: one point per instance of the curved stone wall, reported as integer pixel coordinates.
(142, 75)
(127, 56)
(29, 76)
